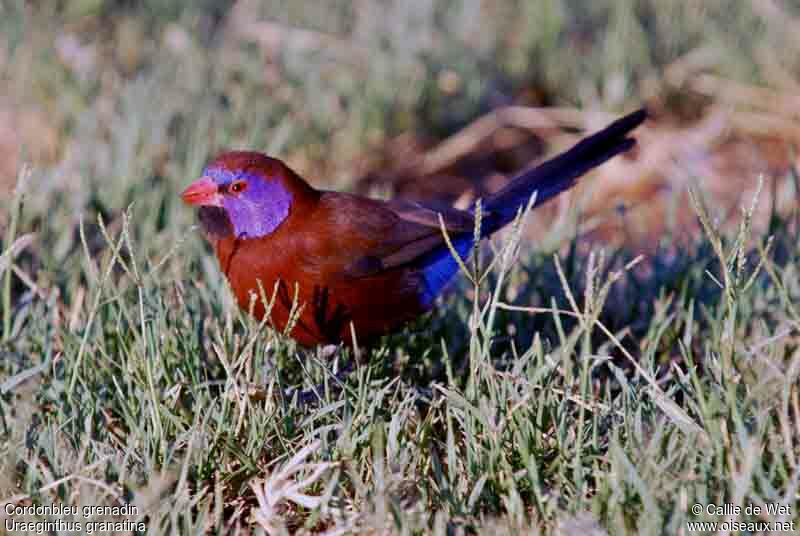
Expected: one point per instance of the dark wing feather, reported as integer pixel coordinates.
(455, 220)
(367, 236)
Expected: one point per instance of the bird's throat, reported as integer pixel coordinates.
(215, 223)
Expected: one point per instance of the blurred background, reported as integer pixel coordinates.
(114, 102)
(125, 368)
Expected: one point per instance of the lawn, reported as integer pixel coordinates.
(623, 361)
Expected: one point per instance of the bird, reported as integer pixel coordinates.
(332, 268)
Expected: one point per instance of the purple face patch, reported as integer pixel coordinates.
(259, 209)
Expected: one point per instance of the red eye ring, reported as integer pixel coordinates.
(238, 187)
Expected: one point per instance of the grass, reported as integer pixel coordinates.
(570, 389)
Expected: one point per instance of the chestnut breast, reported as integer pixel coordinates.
(305, 268)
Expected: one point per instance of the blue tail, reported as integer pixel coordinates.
(547, 181)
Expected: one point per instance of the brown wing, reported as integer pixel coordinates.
(364, 237)
(455, 220)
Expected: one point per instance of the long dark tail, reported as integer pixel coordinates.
(548, 180)
(560, 173)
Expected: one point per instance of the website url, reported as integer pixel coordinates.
(741, 526)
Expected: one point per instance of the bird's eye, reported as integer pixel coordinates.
(238, 187)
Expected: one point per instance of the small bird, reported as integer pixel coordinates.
(332, 265)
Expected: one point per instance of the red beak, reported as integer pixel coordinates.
(203, 192)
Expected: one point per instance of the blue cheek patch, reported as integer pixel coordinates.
(257, 211)
(439, 268)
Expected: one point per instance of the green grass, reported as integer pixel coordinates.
(559, 391)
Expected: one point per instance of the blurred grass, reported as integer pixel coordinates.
(542, 399)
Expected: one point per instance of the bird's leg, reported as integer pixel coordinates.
(309, 396)
(328, 351)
